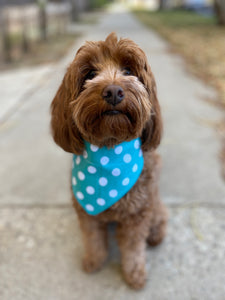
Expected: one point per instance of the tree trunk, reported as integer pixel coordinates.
(43, 19)
(162, 4)
(6, 40)
(74, 10)
(25, 40)
(219, 6)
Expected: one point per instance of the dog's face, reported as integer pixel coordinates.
(108, 96)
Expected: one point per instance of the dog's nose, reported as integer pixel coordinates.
(113, 94)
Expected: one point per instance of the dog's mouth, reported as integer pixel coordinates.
(112, 112)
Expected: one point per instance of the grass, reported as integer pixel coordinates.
(201, 42)
(198, 38)
(176, 18)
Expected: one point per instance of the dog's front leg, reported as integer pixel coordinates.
(132, 243)
(94, 235)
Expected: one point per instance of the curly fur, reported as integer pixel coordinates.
(78, 114)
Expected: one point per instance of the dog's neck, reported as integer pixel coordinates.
(110, 142)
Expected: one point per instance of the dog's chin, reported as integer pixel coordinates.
(111, 128)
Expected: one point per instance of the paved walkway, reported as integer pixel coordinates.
(40, 243)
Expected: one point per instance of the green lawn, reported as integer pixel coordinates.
(176, 18)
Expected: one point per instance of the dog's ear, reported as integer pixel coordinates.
(64, 129)
(152, 132)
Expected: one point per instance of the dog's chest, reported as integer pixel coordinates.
(102, 176)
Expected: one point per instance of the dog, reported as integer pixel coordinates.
(107, 114)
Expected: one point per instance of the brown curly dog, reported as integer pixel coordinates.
(108, 97)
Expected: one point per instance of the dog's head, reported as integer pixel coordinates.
(108, 95)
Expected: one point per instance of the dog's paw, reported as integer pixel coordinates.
(157, 233)
(92, 264)
(136, 277)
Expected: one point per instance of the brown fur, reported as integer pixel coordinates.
(78, 114)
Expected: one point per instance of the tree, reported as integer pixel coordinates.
(6, 39)
(161, 4)
(219, 6)
(42, 4)
(74, 10)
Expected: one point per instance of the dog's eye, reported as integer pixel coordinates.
(90, 75)
(127, 71)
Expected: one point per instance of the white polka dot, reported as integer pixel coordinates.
(126, 181)
(78, 160)
(94, 148)
(127, 158)
(92, 170)
(113, 193)
(80, 195)
(136, 144)
(89, 207)
(118, 149)
(85, 155)
(116, 172)
(140, 153)
(90, 190)
(103, 181)
(135, 167)
(101, 201)
(104, 160)
(74, 181)
(81, 175)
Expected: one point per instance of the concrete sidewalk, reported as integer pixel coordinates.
(40, 243)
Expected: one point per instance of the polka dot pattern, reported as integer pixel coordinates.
(80, 195)
(89, 207)
(81, 175)
(126, 181)
(104, 160)
(90, 190)
(103, 181)
(74, 181)
(116, 172)
(85, 154)
(102, 176)
(101, 201)
(113, 193)
(135, 168)
(127, 158)
(136, 144)
(118, 149)
(94, 148)
(92, 169)
(78, 160)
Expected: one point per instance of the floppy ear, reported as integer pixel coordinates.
(152, 132)
(64, 129)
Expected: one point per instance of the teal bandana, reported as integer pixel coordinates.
(102, 176)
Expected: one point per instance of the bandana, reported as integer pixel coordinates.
(102, 176)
